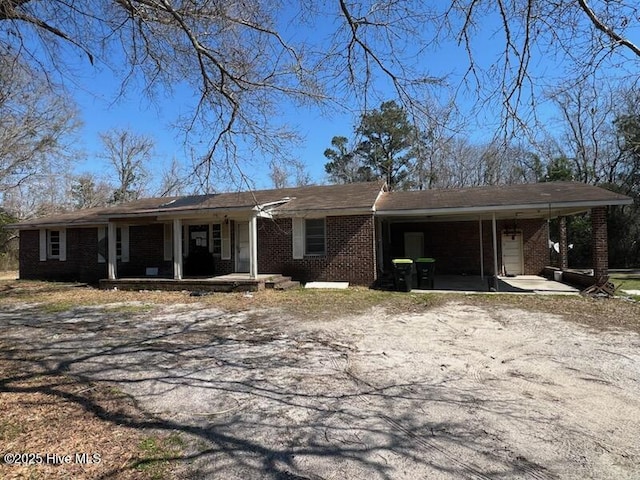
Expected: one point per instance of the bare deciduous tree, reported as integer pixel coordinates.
(128, 155)
(35, 126)
(173, 181)
(87, 191)
(293, 172)
(243, 61)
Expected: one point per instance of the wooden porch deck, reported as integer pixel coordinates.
(233, 282)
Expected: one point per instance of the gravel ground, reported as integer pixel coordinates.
(457, 391)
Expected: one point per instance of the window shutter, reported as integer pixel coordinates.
(210, 239)
(168, 242)
(226, 240)
(124, 241)
(43, 245)
(63, 245)
(102, 236)
(298, 238)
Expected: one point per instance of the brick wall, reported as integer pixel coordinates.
(350, 253)
(82, 257)
(535, 238)
(456, 245)
(535, 243)
(146, 249)
(599, 242)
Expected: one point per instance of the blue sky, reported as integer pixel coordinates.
(100, 111)
(96, 90)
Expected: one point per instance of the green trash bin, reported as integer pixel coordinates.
(403, 274)
(425, 270)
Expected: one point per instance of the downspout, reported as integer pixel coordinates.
(481, 251)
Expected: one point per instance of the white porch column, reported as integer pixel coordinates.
(112, 260)
(495, 251)
(481, 251)
(253, 246)
(177, 249)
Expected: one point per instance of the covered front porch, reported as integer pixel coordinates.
(217, 249)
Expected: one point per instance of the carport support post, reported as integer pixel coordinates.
(599, 247)
(253, 246)
(177, 249)
(481, 251)
(495, 251)
(111, 251)
(564, 248)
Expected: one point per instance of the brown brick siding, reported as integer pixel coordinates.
(599, 242)
(146, 249)
(456, 245)
(349, 242)
(82, 257)
(350, 253)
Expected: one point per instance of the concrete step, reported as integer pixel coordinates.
(288, 285)
(276, 280)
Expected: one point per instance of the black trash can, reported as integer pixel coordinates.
(402, 274)
(425, 269)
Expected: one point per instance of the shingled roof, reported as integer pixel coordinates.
(534, 195)
(285, 201)
(353, 198)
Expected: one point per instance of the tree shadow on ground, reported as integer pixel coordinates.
(256, 402)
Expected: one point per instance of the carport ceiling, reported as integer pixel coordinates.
(454, 216)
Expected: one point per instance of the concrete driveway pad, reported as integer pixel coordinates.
(454, 392)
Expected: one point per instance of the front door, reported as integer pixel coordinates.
(242, 247)
(199, 260)
(512, 258)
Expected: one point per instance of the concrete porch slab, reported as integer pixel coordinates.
(519, 284)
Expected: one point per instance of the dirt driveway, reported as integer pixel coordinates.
(458, 391)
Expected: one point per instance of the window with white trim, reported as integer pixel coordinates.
(314, 236)
(216, 239)
(122, 244)
(53, 243)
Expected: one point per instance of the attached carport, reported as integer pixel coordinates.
(489, 231)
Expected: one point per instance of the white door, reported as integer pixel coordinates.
(242, 247)
(413, 245)
(512, 257)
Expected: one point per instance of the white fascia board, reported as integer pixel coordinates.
(50, 225)
(171, 214)
(323, 213)
(501, 208)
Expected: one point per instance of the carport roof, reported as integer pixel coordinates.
(556, 197)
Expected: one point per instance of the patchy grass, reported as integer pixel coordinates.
(598, 313)
(626, 281)
(318, 303)
(57, 414)
(55, 297)
(46, 415)
(158, 454)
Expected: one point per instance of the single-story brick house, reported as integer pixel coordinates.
(327, 233)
